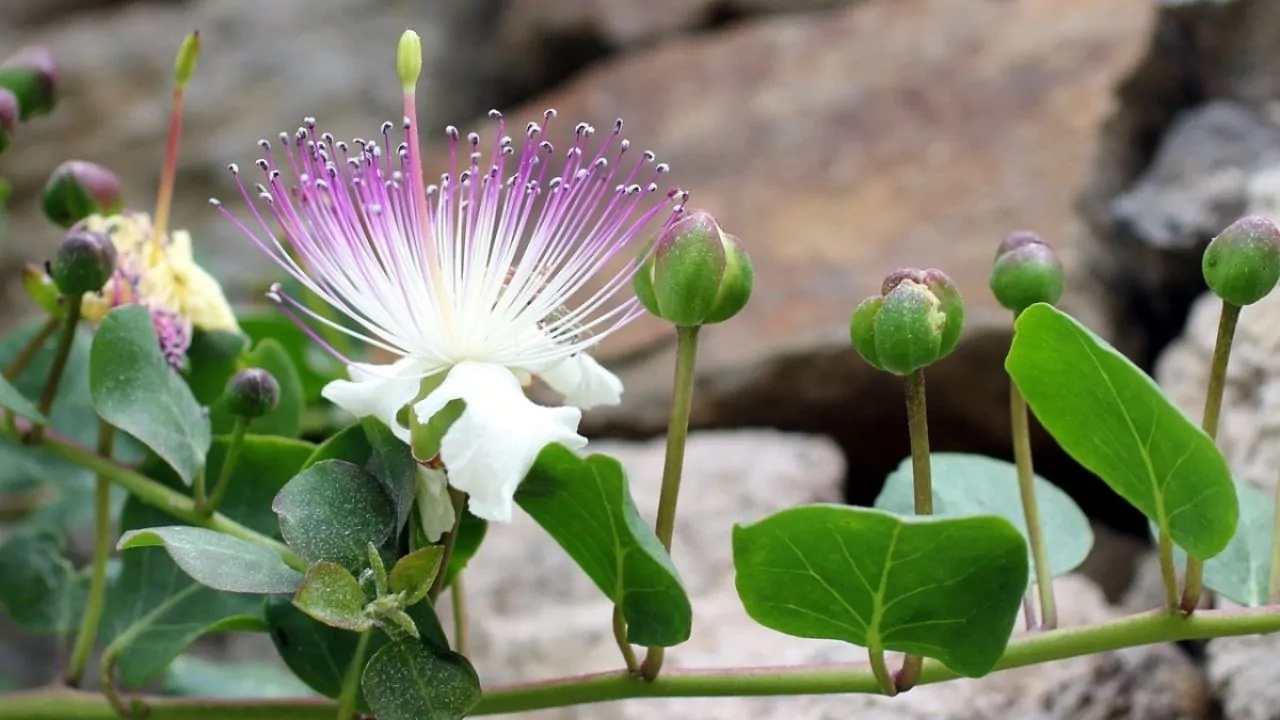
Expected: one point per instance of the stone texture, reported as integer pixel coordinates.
(844, 144)
(1242, 673)
(542, 618)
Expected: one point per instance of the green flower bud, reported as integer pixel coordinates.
(1026, 271)
(1242, 264)
(84, 263)
(78, 189)
(252, 393)
(697, 274)
(916, 321)
(32, 75)
(9, 112)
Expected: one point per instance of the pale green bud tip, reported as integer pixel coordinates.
(185, 66)
(916, 321)
(409, 59)
(1242, 264)
(84, 263)
(252, 393)
(695, 274)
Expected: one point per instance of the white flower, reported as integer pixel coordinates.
(493, 277)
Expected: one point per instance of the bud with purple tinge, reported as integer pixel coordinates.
(32, 75)
(9, 112)
(697, 274)
(78, 189)
(252, 393)
(1242, 264)
(915, 321)
(84, 263)
(1026, 271)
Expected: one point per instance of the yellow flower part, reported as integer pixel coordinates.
(165, 277)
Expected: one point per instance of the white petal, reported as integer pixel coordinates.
(435, 508)
(583, 382)
(490, 448)
(370, 392)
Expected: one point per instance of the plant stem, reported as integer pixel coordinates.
(1150, 628)
(28, 352)
(351, 683)
(1030, 508)
(459, 500)
(1212, 412)
(458, 599)
(880, 671)
(153, 493)
(228, 466)
(673, 466)
(88, 632)
(922, 477)
(60, 356)
(1168, 573)
(620, 635)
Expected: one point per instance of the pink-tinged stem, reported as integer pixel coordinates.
(168, 175)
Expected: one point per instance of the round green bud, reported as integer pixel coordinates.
(1026, 271)
(32, 75)
(84, 263)
(78, 189)
(695, 274)
(916, 321)
(1242, 264)
(252, 393)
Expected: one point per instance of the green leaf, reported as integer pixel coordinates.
(1113, 419)
(192, 676)
(332, 595)
(42, 591)
(1242, 571)
(945, 588)
(13, 400)
(332, 511)
(427, 436)
(218, 560)
(316, 368)
(414, 573)
(586, 506)
(212, 359)
(286, 419)
(162, 608)
(350, 444)
(134, 389)
(965, 485)
(319, 654)
(391, 461)
(471, 533)
(408, 680)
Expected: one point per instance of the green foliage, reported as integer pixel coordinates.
(409, 680)
(160, 607)
(586, 506)
(965, 485)
(1113, 419)
(332, 595)
(42, 591)
(134, 389)
(315, 366)
(946, 588)
(211, 361)
(414, 573)
(219, 561)
(371, 446)
(471, 534)
(1242, 571)
(192, 676)
(11, 399)
(332, 511)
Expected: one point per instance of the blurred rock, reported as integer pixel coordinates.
(1196, 119)
(1242, 672)
(542, 617)
(840, 145)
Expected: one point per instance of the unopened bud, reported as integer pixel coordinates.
(84, 263)
(697, 274)
(9, 112)
(78, 189)
(252, 393)
(915, 321)
(1242, 264)
(32, 75)
(185, 65)
(1026, 271)
(409, 59)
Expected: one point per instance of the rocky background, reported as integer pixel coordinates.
(839, 140)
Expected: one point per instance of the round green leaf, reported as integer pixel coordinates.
(218, 560)
(332, 511)
(946, 588)
(332, 595)
(966, 485)
(1242, 571)
(408, 680)
(1114, 420)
